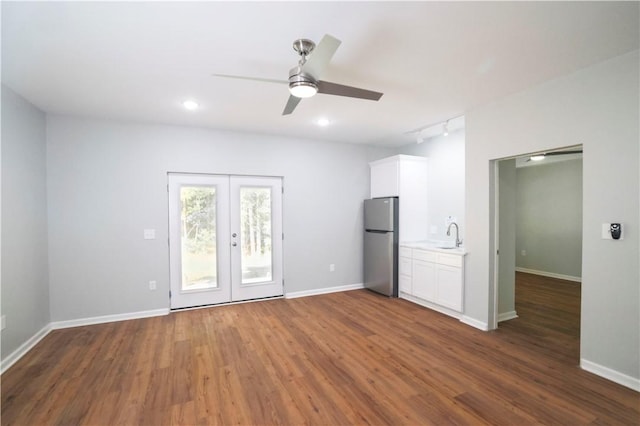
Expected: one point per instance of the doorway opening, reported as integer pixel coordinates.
(538, 244)
(225, 239)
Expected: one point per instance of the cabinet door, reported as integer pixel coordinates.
(404, 266)
(424, 280)
(449, 291)
(384, 179)
(404, 284)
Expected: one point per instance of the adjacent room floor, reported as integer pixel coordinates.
(343, 358)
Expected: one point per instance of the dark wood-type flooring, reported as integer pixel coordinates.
(336, 359)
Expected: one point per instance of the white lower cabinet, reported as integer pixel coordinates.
(432, 278)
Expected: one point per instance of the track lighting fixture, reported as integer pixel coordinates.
(437, 129)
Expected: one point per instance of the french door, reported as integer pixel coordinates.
(225, 238)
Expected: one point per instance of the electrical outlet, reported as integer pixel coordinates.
(152, 285)
(3, 320)
(332, 267)
(149, 234)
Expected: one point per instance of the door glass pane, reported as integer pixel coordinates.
(255, 234)
(198, 237)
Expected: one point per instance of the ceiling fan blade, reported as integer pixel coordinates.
(353, 92)
(320, 56)
(240, 77)
(292, 103)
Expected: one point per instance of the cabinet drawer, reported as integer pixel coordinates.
(404, 266)
(449, 259)
(405, 252)
(426, 256)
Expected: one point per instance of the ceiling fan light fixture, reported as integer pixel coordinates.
(303, 89)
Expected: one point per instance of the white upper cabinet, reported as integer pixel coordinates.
(405, 177)
(385, 178)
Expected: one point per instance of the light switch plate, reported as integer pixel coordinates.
(149, 234)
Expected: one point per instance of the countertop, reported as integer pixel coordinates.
(437, 246)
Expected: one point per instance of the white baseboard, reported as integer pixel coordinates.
(474, 323)
(108, 318)
(14, 356)
(33, 340)
(609, 374)
(550, 274)
(506, 316)
(305, 293)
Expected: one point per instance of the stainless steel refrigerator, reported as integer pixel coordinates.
(381, 245)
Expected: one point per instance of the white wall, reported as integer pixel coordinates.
(107, 182)
(596, 107)
(549, 218)
(446, 180)
(25, 285)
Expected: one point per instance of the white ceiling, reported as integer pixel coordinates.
(432, 60)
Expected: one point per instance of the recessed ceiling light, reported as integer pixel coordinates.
(322, 122)
(190, 105)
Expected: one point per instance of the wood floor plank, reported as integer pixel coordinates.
(343, 358)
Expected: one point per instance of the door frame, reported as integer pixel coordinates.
(494, 242)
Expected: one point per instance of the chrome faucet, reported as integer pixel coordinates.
(458, 240)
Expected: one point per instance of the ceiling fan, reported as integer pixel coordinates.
(542, 156)
(304, 79)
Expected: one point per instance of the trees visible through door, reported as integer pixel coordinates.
(198, 237)
(255, 234)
